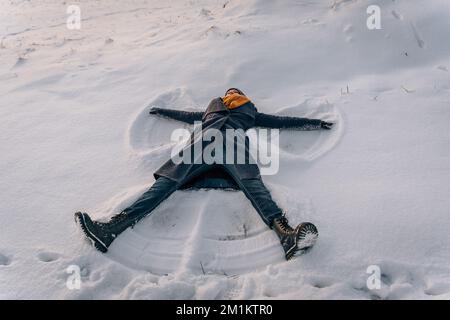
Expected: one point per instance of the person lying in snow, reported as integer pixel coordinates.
(233, 111)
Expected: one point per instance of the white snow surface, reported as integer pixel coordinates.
(75, 135)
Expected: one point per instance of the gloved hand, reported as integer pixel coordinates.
(326, 125)
(154, 110)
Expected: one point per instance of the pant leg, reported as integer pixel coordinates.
(262, 201)
(159, 191)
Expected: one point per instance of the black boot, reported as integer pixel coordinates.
(300, 239)
(102, 234)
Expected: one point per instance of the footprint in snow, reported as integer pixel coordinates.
(437, 288)
(48, 256)
(4, 260)
(322, 282)
(20, 61)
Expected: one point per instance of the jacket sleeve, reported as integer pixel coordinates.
(284, 122)
(184, 116)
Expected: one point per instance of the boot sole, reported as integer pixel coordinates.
(96, 242)
(307, 237)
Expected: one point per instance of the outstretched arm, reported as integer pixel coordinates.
(184, 116)
(284, 122)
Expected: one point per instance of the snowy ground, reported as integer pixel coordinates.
(75, 135)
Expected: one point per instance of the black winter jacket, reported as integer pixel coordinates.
(218, 116)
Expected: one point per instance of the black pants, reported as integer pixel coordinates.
(163, 187)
